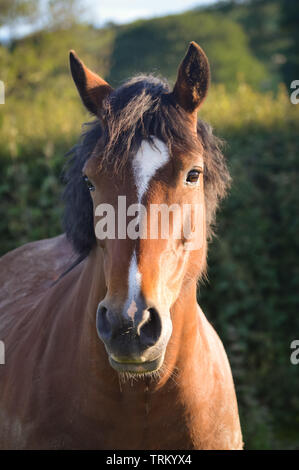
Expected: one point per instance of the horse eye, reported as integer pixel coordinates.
(89, 183)
(193, 176)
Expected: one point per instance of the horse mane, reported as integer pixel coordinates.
(139, 109)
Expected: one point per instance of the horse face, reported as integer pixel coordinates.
(150, 226)
(153, 236)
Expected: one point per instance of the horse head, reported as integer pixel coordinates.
(146, 178)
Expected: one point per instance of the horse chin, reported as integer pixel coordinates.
(137, 368)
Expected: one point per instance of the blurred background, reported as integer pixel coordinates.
(252, 296)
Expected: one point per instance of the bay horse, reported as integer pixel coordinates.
(106, 346)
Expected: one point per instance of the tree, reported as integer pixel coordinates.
(156, 44)
(290, 30)
(49, 14)
(15, 10)
(63, 14)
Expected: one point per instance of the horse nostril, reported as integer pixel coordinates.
(103, 324)
(150, 330)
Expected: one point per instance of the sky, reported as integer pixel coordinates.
(120, 11)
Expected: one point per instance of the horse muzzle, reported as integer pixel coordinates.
(135, 339)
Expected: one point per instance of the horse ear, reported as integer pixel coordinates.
(193, 79)
(92, 88)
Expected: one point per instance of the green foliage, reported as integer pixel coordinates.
(222, 39)
(51, 14)
(290, 31)
(273, 34)
(252, 295)
(12, 10)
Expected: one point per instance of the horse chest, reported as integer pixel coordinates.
(146, 424)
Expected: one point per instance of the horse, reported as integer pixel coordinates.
(106, 346)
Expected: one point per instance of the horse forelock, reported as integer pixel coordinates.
(137, 111)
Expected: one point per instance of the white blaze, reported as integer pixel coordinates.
(148, 160)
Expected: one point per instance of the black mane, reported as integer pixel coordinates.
(140, 108)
